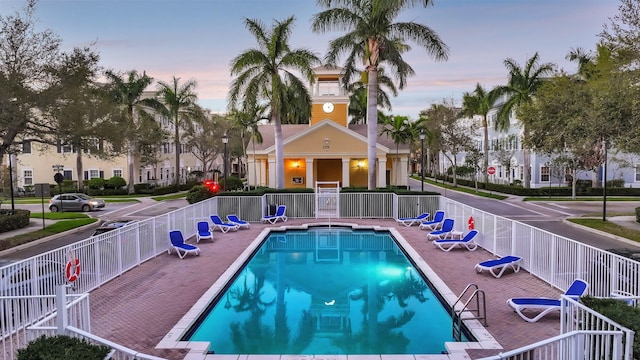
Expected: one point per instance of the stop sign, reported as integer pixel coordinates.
(491, 170)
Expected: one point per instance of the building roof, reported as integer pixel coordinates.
(291, 130)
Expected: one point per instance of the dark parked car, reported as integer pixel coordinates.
(112, 225)
(74, 202)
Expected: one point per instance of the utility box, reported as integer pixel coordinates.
(42, 190)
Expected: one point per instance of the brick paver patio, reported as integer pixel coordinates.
(140, 307)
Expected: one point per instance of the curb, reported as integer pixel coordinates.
(602, 233)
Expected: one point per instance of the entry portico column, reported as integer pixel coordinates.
(401, 172)
(345, 172)
(252, 177)
(382, 171)
(309, 180)
(272, 173)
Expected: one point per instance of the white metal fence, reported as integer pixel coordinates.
(25, 285)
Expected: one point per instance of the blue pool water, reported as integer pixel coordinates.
(326, 291)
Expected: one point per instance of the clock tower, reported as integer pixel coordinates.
(330, 101)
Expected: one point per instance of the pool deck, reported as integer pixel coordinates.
(140, 307)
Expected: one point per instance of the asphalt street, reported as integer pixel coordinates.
(547, 215)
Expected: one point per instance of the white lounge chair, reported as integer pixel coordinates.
(444, 232)
(178, 244)
(234, 219)
(497, 267)
(221, 225)
(435, 223)
(468, 242)
(409, 221)
(546, 305)
(280, 215)
(203, 231)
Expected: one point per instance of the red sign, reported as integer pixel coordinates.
(491, 170)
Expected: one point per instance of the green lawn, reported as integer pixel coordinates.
(608, 227)
(58, 227)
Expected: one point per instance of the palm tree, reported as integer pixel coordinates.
(373, 37)
(265, 73)
(479, 103)
(521, 88)
(358, 97)
(247, 121)
(126, 91)
(177, 105)
(584, 59)
(397, 128)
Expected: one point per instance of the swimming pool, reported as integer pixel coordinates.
(322, 306)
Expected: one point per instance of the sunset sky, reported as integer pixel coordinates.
(196, 39)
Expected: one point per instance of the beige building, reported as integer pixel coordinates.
(328, 148)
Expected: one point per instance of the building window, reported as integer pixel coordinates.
(329, 88)
(26, 147)
(117, 172)
(93, 173)
(67, 174)
(27, 177)
(166, 148)
(637, 172)
(544, 174)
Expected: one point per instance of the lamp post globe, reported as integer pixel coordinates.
(225, 140)
(422, 136)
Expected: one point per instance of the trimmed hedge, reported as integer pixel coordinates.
(638, 214)
(62, 347)
(13, 219)
(198, 193)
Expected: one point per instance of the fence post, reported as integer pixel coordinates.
(61, 309)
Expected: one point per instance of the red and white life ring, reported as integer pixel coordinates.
(471, 223)
(72, 270)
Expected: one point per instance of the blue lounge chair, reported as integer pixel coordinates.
(223, 226)
(280, 215)
(435, 223)
(468, 242)
(234, 219)
(497, 267)
(203, 231)
(546, 305)
(444, 232)
(178, 244)
(409, 221)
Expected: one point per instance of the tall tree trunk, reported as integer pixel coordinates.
(372, 123)
(79, 169)
(130, 159)
(176, 140)
(485, 149)
(527, 160)
(277, 128)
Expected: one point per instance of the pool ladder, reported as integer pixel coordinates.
(480, 309)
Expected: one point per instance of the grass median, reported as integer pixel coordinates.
(64, 222)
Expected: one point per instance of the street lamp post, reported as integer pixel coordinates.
(225, 140)
(59, 178)
(422, 159)
(604, 182)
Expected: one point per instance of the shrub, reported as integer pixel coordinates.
(62, 347)
(620, 312)
(198, 193)
(13, 219)
(638, 214)
(115, 182)
(96, 183)
(233, 183)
